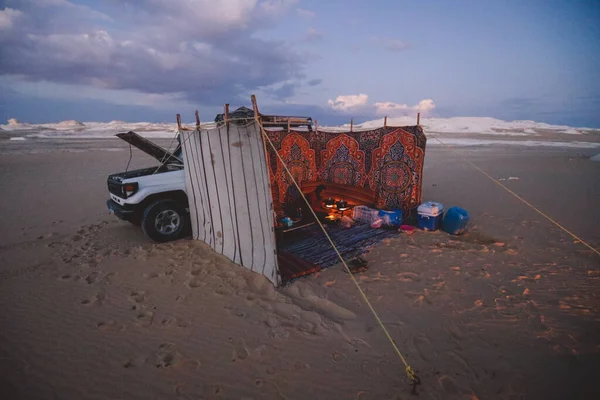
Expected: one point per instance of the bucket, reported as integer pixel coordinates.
(391, 218)
(455, 220)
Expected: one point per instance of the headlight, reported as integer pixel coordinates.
(129, 189)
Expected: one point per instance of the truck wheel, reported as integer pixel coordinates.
(165, 220)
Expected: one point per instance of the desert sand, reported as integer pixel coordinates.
(92, 310)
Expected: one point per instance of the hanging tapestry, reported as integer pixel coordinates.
(388, 161)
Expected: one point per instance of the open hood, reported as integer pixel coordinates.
(150, 148)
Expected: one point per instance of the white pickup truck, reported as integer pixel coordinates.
(154, 198)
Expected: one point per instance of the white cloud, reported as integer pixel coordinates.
(8, 17)
(390, 44)
(305, 13)
(348, 102)
(360, 103)
(395, 110)
(205, 49)
(312, 35)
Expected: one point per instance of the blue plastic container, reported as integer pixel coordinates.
(430, 216)
(455, 220)
(391, 218)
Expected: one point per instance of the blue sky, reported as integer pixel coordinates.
(332, 60)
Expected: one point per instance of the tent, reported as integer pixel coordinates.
(237, 185)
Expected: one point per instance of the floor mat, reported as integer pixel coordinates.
(311, 244)
(292, 267)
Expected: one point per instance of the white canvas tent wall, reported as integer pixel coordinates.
(229, 194)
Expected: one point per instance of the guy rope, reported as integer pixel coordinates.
(534, 208)
(409, 371)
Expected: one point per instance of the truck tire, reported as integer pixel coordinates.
(165, 220)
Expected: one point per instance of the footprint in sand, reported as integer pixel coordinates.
(69, 277)
(91, 278)
(152, 275)
(135, 362)
(236, 311)
(108, 278)
(240, 351)
(337, 356)
(408, 277)
(96, 300)
(144, 318)
(224, 290)
(167, 356)
(110, 326)
(138, 296)
(180, 323)
(196, 282)
(278, 332)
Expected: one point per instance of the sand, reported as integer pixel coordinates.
(92, 310)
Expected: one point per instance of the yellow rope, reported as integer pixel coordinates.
(524, 201)
(409, 371)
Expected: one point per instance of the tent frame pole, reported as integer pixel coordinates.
(227, 115)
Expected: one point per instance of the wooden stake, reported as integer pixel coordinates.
(178, 122)
(197, 120)
(385, 122)
(316, 125)
(289, 126)
(226, 114)
(351, 124)
(418, 119)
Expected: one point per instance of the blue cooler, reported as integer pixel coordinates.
(391, 218)
(455, 220)
(430, 216)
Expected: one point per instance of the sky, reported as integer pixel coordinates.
(147, 60)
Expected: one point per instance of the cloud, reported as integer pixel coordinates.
(314, 82)
(8, 18)
(282, 92)
(313, 35)
(348, 102)
(396, 110)
(390, 44)
(305, 13)
(360, 104)
(204, 50)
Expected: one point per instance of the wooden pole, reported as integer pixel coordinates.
(385, 122)
(351, 124)
(226, 114)
(261, 127)
(316, 125)
(197, 121)
(178, 122)
(289, 126)
(418, 119)
(255, 107)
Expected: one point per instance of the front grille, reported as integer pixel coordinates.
(115, 188)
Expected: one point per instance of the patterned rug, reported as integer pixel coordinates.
(312, 245)
(389, 161)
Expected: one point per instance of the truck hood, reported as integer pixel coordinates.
(150, 148)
